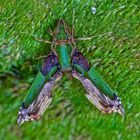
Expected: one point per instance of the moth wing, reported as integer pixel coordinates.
(40, 104)
(96, 97)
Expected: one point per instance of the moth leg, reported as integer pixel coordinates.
(36, 38)
(51, 32)
(84, 38)
(40, 104)
(42, 40)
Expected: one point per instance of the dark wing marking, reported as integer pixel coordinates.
(49, 62)
(80, 59)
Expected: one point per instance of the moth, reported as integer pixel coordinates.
(65, 57)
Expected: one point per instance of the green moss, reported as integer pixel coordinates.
(115, 55)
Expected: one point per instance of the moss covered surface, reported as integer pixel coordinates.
(115, 55)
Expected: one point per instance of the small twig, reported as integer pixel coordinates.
(36, 38)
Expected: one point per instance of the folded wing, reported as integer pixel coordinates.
(40, 104)
(98, 91)
(96, 97)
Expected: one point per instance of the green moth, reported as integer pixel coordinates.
(66, 58)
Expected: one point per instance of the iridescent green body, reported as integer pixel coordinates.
(64, 51)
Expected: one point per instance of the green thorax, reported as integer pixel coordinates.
(64, 56)
(64, 49)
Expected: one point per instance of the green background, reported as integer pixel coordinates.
(115, 55)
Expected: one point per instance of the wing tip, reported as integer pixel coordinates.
(21, 115)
